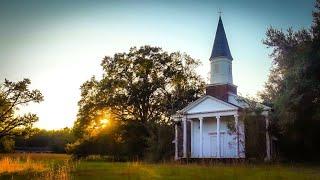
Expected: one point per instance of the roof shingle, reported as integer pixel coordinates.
(220, 45)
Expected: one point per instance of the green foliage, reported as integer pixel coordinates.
(140, 90)
(255, 135)
(53, 140)
(105, 143)
(13, 95)
(293, 89)
(252, 115)
(160, 146)
(7, 145)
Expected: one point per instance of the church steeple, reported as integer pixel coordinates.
(221, 59)
(220, 45)
(221, 83)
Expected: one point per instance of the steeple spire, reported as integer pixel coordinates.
(220, 45)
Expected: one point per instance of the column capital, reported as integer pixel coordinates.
(265, 114)
(218, 117)
(236, 115)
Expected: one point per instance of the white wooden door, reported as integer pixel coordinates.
(223, 145)
(213, 145)
(228, 145)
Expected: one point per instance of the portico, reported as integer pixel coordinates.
(209, 133)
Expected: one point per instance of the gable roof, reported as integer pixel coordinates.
(242, 103)
(220, 45)
(208, 103)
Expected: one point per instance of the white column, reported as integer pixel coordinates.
(237, 133)
(184, 120)
(201, 136)
(218, 136)
(176, 142)
(268, 149)
(191, 144)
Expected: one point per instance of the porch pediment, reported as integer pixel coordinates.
(208, 104)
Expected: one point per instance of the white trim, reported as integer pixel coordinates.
(213, 114)
(217, 84)
(198, 101)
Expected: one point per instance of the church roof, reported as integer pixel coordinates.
(213, 105)
(220, 45)
(208, 104)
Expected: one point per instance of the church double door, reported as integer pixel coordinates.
(210, 146)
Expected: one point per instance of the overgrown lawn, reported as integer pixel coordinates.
(53, 166)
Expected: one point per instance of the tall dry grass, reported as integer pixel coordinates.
(60, 171)
(27, 165)
(10, 165)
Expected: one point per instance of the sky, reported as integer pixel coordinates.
(60, 44)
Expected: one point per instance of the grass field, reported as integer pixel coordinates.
(54, 166)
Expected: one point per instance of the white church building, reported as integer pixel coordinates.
(202, 129)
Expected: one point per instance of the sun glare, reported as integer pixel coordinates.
(104, 122)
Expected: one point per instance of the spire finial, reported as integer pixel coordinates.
(220, 12)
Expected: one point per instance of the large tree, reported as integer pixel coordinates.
(14, 95)
(140, 89)
(293, 89)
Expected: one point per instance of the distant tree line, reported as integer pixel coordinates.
(40, 140)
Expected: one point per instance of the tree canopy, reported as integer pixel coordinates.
(14, 95)
(139, 91)
(293, 89)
